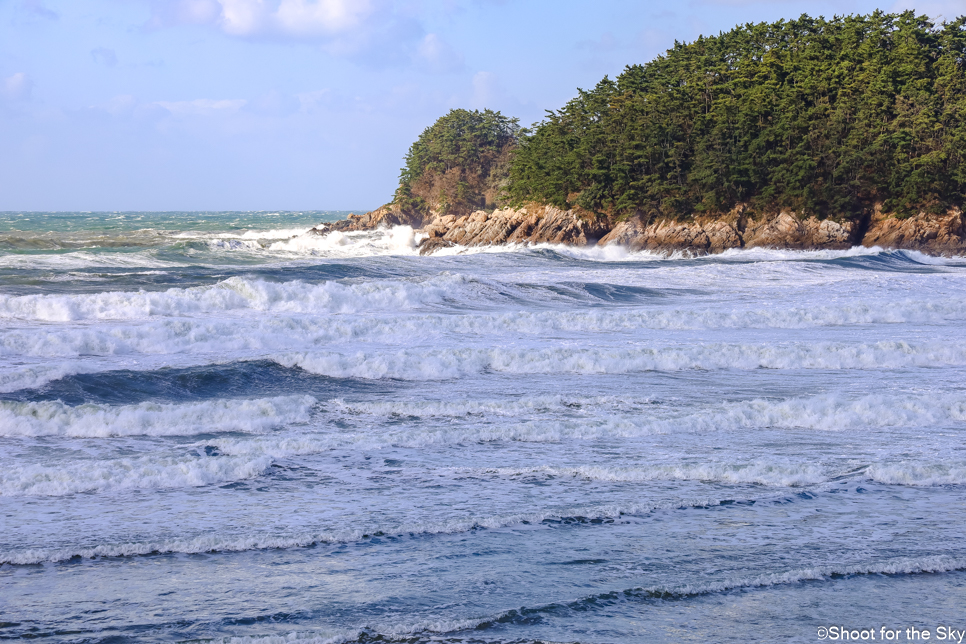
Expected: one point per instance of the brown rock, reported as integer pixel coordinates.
(942, 234)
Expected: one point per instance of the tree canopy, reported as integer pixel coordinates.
(824, 116)
(459, 163)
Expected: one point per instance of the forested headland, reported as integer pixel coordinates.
(821, 116)
(828, 119)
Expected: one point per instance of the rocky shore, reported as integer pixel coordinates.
(933, 234)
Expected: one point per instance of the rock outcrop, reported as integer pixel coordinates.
(937, 234)
(733, 230)
(533, 225)
(388, 215)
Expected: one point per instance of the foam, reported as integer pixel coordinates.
(550, 419)
(757, 473)
(235, 294)
(81, 260)
(152, 419)
(272, 234)
(137, 473)
(32, 376)
(918, 474)
(900, 566)
(443, 364)
(273, 328)
(398, 240)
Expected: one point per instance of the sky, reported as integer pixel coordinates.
(302, 104)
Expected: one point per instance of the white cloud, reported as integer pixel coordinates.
(254, 18)
(16, 87)
(308, 17)
(203, 106)
(438, 55)
(310, 102)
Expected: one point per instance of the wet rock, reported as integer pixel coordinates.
(430, 245)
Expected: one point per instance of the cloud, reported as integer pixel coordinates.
(304, 19)
(36, 8)
(310, 102)
(378, 33)
(203, 106)
(274, 103)
(16, 87)
(104, 56)
(121, 105)
(437, 55)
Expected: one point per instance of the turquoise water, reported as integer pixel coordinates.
(217, 427)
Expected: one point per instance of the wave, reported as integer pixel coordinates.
(430, 629)
(621, 254)
(557, 419)
(756, 473)
(918, 474)
(32, 376)
(54, 418)
(398, 240)
(82, 260)
(444, 364)
(831, 412)
(292, 330)
(235, 294)
(271, 234)
(211, 542)
(135, 473)
(900, 566)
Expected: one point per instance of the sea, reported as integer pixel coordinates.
(216, 427)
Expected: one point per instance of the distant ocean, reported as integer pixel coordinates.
(217, 428)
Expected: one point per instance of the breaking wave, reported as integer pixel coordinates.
(54, 418)
(442, 364)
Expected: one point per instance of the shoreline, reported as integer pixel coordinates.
(938, 235)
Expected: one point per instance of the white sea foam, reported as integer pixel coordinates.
(550, 419)
(143, 472)
(900, 566)
(54, 418)
(398, 240)
(825, 412)
(919, 474)
(81, 260)
(272, 234)
(273, 331)
(234, 294)
(441, 364)
(755, 472)
(16, 377)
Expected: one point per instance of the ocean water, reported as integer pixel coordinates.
(217, 428)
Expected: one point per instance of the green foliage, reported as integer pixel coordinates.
(458, 161)
(823, 116)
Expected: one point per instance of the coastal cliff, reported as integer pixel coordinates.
(535, 224)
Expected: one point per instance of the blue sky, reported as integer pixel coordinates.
(300, 104)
